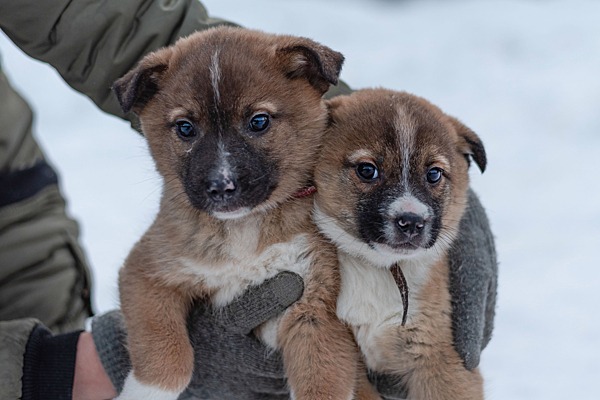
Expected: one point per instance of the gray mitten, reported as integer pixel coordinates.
(473, 284)
(230, 362)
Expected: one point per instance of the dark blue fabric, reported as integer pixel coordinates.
(19, 185)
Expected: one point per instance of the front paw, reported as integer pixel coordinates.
(136, 390)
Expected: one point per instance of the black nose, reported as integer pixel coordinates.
(410, 224)
(221, 189)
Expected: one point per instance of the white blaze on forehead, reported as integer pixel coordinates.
(215, 76)
(406, 129)
(224, 167)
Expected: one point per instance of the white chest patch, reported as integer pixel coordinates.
(370, 301)
(231, 279)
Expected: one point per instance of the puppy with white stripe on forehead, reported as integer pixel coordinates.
(392, 186)
(233, 118)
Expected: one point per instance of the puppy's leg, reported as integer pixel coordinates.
(157, 338)
(319, 353)
(429, 366)
(445, 379)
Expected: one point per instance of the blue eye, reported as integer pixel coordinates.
(185, 129)
(434, 175)
(259, 122)
(367, 172)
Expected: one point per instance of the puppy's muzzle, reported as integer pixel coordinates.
(411, 229)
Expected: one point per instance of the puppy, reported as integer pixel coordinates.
(234, 120)
(391, 189)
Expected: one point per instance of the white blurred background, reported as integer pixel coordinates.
(525, 75)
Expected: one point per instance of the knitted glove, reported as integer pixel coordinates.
(231, 362)
(473, 284)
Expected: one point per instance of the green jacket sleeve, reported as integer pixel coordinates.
(13, 341)
(35, 363)
(92, 43)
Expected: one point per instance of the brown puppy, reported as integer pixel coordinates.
(233, 119)
(392, 184)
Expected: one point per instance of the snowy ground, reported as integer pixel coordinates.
(525, 75)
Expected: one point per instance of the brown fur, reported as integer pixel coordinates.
(286, 76)
(372, 126)
(423, 352)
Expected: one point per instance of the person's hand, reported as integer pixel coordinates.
(473, 284)
(230, 362)
(90, 380)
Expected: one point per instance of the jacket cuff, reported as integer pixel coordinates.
(49, 365)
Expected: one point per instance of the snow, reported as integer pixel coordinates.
(525, 75)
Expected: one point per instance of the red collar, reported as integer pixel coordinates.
(305, 192)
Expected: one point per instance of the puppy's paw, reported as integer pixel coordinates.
(135, 390)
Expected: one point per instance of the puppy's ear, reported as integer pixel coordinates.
(332, 108)
(308, 59)
(470, 144)
(136, 87)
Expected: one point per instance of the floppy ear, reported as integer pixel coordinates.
(136, 87)
(470, 144)
(308, 59)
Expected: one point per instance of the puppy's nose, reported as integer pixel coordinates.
(221, 189)
(410, 224)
